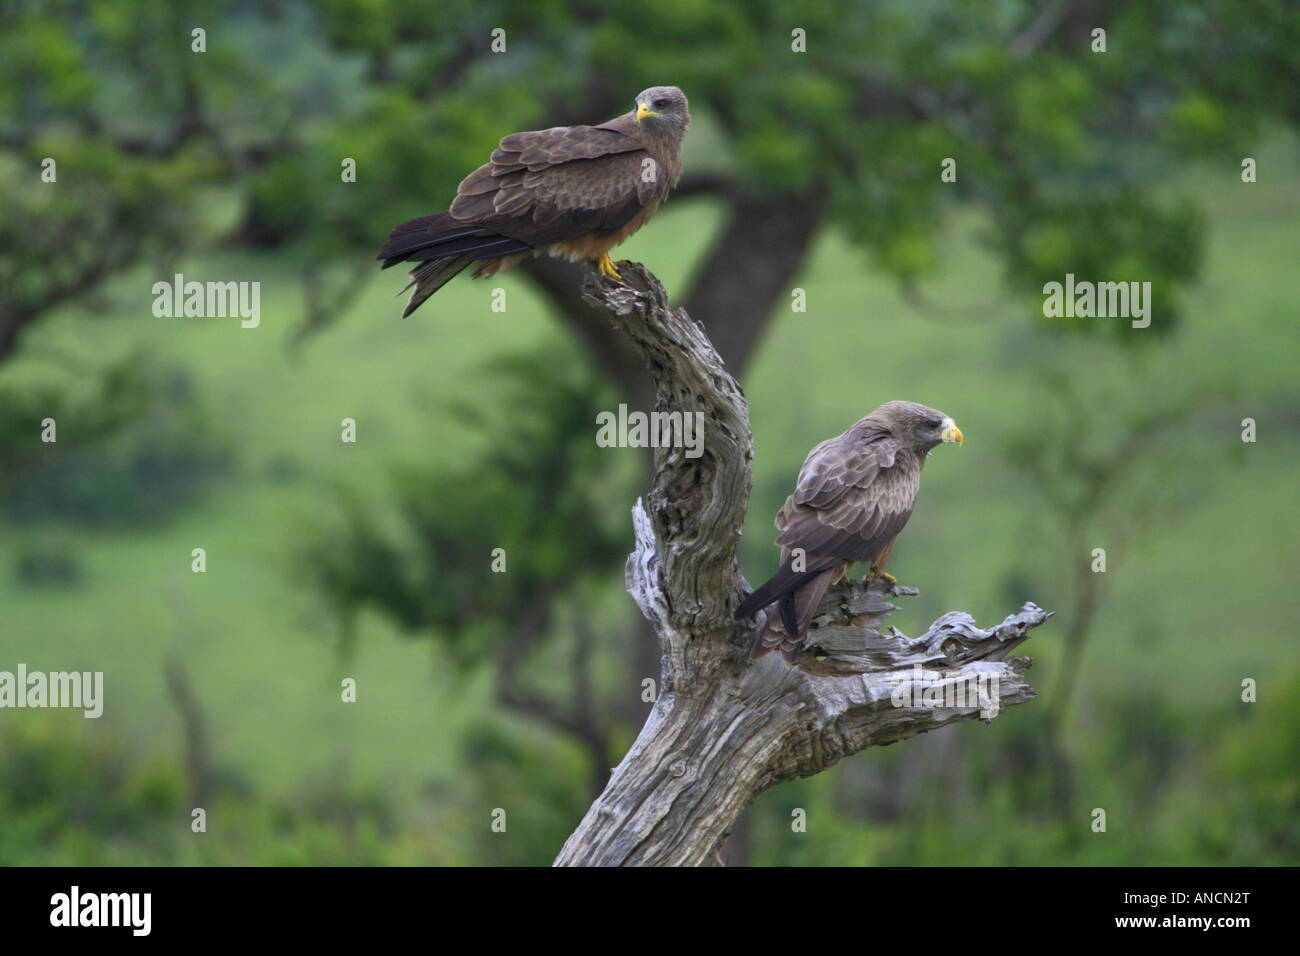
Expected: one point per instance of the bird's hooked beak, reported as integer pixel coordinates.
(642, 111)
(949, 432)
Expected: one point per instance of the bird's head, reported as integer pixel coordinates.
(918, 425)
(663, 110)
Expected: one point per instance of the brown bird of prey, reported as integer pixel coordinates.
(571, 191)
(854, 495)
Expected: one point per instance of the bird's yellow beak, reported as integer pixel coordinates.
(642, 111)
(949, 432)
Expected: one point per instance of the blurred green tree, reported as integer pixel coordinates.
(513, 509)
(160, 150)
(1059, 142)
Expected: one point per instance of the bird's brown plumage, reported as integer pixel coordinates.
(854, 495)
(572, 191)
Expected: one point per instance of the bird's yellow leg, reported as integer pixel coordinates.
(876, 572)
(605, 265)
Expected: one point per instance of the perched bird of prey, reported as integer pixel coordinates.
(572, 191)
(854, 495)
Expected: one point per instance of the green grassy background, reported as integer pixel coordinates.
(1200, 601)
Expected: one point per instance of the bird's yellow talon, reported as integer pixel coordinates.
(605, 266)
(875, 572)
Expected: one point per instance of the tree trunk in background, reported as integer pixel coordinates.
(736, 293)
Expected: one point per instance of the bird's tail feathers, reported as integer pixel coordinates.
(429, 277)
(783, 582)
(441, 237)
(796, 610)
(441, 247)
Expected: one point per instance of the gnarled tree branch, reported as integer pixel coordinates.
(724, 728)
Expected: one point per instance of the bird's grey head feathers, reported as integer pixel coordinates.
(663, 110)
(917, 425)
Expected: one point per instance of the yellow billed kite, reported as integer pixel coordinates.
(854, 494)
(571, 191)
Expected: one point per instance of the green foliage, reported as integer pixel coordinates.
(1258, 765)
(44, 565)
(1066, 162)
(77, 798)
(532, 780)
(136, 446)
(989, 800)
(1060, 143)
(542, 479)
(75, 801)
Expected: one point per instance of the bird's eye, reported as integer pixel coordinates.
(660, 104)
(933, 423)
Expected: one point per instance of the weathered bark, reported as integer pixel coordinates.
(724, 728)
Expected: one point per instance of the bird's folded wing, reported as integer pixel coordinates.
(538, 149)
(548, 185)
(838, 465)
(850, 501)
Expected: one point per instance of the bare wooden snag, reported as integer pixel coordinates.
(724, 728)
